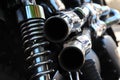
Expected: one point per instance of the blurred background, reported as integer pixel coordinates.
(115, 4)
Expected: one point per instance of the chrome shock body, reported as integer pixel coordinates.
(34, 43)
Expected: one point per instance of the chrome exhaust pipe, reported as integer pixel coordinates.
(115, 18)
(58, 28)
(72, 57)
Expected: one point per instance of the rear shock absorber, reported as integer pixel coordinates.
(31, 22)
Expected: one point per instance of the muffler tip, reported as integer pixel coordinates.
(56, 29)
(71, 58)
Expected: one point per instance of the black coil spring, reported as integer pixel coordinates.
(34, 43)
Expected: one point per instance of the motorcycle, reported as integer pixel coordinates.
(67, 22)
(74, 54)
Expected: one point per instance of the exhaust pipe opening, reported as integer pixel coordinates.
(56, 29)
(71, 58)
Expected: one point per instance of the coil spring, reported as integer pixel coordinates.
(34, 43)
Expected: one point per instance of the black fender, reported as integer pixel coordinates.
(111, 47)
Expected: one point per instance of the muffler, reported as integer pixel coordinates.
(58, 28)
(72, 57)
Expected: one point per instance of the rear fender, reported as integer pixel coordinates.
(111, 47)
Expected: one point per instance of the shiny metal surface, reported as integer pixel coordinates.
(61, 6)
(72, 57)
(99, 27)
(33, 42)
(31, 25)
(29, 12)
(58, 28)
(62, 27)
(34, 11)
(74, 75)
(115, 18)
(105, 10)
